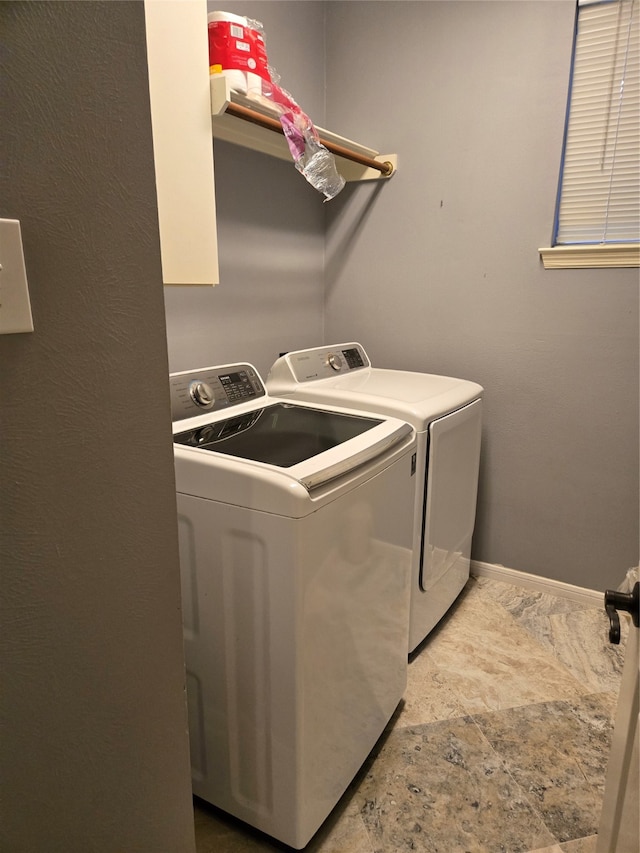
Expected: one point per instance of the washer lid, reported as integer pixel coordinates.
(281, 434)
(305, 440)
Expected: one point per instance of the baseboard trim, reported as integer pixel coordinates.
(524, 580)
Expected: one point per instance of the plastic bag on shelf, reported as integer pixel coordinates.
(310, 156)
(237, 49)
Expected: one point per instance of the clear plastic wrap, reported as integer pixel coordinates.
(243, 59)
(630, 580)
(311, 158)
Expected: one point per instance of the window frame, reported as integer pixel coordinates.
(585, 254)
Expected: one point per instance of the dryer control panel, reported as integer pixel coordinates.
(210, 389)
(310, 365)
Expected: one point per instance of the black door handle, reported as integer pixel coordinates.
(628, 601)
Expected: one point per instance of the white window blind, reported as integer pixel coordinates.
(599, 196)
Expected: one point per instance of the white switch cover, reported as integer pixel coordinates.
(15, 307)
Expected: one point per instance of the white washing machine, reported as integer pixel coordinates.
(295, 566)
(446, 414)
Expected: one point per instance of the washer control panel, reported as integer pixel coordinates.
(320, 363)
(210, 389)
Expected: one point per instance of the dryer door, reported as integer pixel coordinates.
(450, 498)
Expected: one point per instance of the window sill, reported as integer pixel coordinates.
(583, 257)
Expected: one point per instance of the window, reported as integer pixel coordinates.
(597, 219)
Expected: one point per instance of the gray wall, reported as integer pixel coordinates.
(438, 269)
(94, 741)
(270, 224)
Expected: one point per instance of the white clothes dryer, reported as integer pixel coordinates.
(447, 416)
(295, 568)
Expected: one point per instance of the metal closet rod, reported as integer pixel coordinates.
(385, 168)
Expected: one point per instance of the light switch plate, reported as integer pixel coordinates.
(15, 307)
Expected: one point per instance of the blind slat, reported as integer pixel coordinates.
(599, 196)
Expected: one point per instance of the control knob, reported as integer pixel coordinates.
(202, 394)
(334, 361)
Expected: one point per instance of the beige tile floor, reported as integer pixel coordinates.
(499, 745)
